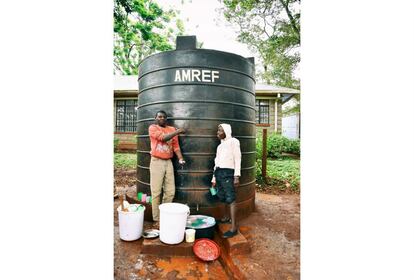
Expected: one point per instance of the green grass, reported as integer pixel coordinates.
(281, 171)
(125, 160)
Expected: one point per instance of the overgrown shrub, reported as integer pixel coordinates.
(125, 160)
(282, 173)
(116, 143)
(276, 145)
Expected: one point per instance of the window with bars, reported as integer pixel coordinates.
(262, 111)
(126, 115)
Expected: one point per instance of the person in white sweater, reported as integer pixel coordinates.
(226, 174)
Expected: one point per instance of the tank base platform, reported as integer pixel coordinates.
(244, 209)
(156, 247)
(236, 245)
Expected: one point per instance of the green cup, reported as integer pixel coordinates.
(139, 196)
(213, 191)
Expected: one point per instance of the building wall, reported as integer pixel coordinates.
(291, 122)
(291, 126)
(279, 117)
(128, 140)
(272, 116)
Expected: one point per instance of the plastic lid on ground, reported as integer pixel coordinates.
(200, 221)
(206, 249)
(151, 233)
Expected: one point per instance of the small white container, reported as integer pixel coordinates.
(190, 235)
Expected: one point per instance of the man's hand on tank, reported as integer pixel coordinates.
(180, 130)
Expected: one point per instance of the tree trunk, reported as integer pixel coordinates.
(289, 14)
(265, 74)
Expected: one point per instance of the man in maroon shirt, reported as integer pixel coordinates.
(164, 143)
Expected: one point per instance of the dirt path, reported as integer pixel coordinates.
(274, 234)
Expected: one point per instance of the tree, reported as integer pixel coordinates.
(141, 28)
(270, 28)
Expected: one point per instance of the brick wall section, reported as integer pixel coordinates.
(126, 138)
(127, 141)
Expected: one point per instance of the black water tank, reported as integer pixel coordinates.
(199, 89)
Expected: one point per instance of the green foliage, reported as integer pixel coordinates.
(272, 29)
(284, 173)
(259, 145)
(276, 145)
(116, 143)
(141, 28)
(125, 160)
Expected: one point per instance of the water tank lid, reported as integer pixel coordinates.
(186, 43)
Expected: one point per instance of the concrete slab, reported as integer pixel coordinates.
(232, 248)
(156, 247)
(235, 245)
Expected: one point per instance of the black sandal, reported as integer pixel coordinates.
(230, 233)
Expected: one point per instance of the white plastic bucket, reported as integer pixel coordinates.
(130, 224)
(173, 219)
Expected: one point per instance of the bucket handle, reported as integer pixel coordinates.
(188, 212)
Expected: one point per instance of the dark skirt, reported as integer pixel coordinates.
(225, 185)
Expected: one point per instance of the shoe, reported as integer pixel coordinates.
(230, 233)
(224, 221)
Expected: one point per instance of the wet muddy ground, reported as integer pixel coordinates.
(273, 231)
(274, 235)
